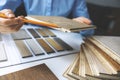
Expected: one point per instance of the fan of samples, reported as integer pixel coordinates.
(99, 59)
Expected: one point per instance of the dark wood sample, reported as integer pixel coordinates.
(34, 47)
(54, 44)
(24, 51)
(39, 72)
(20, 35)
(63, 44)
(42, 33)
(45, 46)
(48, 32)
(3, 56)
(34, 34)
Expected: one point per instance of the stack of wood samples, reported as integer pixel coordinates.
(98, 60)
(39, 72)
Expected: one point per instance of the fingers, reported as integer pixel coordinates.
(9, 13)
(13, 27)
(83, 20)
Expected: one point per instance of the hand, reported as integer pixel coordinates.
(83, 20)
(11, 23)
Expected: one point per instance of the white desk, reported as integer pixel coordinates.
(57, 65)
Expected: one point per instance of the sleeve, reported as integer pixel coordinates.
(9, 4)
(80, 9)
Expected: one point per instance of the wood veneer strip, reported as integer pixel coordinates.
(105, 49)
(48, 32)
(113, 63)
(3, 56)
(63, 44)
(34, 47)
(20, 35)
(45, 46)
(107, 65)
(34, 34)
(42, 33)
(54, 44)
(24, 51)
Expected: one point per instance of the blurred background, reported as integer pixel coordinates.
(105, 14)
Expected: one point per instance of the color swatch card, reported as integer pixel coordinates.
(33, 43)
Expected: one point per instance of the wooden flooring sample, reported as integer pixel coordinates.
(24, 51)
(42, 33)
(50, 33)
(40, 72)
(45, 46)
(3, 56)
(54, 44)
(34, 34)
(34, 47)
(20, 35)
(63, 44)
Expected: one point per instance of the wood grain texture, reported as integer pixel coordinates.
(20, 35)
(40, 72)
(54, 44)
(34, 34)
(63, 44)
(45, 46)
(48, 32)
(42, 33)
(24, 51)
(34, 47)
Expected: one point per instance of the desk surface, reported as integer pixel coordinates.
(57, 65)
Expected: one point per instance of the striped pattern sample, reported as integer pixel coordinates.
(42, 33)
(3, 56)
(24, 51)
(20, 35)
(45, 46)
(50, 33)
(34, 34)
(34, 47)
(63, 44)
(54, 44)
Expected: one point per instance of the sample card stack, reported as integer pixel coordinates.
(32, 43)
(99, 59)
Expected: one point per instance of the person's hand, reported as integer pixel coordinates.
(11, 23)
(83, 20)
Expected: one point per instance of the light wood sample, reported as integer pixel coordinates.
(34, 47)
(48, 32)
(20, 35)
(45, 46)
(54, 44)
(24, 51)
(42, 33)
(63, 44)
